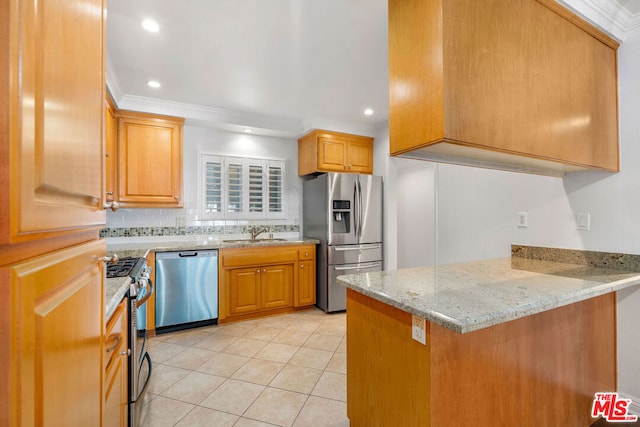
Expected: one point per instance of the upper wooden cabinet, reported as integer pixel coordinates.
(507, 84)
(111, 151)
(326, 151)
(51, 118)
(149, 160)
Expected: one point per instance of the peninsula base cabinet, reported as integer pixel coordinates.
(539, 370)
(260, 281)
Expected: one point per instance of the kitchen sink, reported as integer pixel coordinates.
(253, 240)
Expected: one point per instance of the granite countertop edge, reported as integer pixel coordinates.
(463, 326)
(116, 288)
(465, 297)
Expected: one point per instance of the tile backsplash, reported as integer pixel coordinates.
(184, 222)
(194, 230)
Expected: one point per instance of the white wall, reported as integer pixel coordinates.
(475, 212)
(214, 141)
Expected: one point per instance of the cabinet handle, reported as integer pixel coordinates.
(306, 254)
(264, 270)
(126, 353)
(113, 259)
(258, 270)
(114, 206)
(117, 343)
(301, 265)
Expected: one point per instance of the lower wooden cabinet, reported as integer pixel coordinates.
(51, 354)
(306, 289)
(265, 280)
(115, 402)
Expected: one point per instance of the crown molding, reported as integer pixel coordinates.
(113, 83)
(608, 15)
(218, 118)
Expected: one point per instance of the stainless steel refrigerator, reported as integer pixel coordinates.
(344, 212)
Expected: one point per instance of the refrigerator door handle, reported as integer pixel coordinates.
(356, 211)
(360, 210)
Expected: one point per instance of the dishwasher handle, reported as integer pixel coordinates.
(187, 254)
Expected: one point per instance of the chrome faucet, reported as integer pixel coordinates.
(257, 231)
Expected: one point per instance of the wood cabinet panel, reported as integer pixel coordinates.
(326, 151)
(115, 407)
(244, 290)
(553, 361)
(276, 284)
(332, 155)
(111, 151)
(52, 121)
(53, 351)
(149, 160)
(306, 287)
(521, 85)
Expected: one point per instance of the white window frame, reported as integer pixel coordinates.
(246, 162)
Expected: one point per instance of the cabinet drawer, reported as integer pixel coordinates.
(114, 337)
(307, 253)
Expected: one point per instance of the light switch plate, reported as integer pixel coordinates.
(583, 221)
(418, 329)
(522, 220)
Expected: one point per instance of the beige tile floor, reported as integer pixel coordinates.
(285, 370)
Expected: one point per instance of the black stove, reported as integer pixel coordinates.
(129, 266)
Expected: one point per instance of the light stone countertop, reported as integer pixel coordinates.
(469, 296)
(116, 288)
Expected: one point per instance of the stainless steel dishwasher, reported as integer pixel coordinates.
(186, 289)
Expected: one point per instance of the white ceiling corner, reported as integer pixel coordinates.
(615, 17)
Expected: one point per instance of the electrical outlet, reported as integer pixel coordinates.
(583, 221)
(418, 329)
(522, 220)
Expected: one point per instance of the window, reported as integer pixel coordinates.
(237, 187)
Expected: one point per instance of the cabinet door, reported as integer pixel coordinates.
(53, 348)
(276, 282)
(149, 161)
(111, 153)
(306, 288)
(51, 118)
(360, 157)
(332, 154)
(115, 404)
(244, 289)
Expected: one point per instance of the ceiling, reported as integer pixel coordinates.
(281, 66)
(293, 59)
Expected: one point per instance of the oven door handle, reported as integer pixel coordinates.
(150, 289)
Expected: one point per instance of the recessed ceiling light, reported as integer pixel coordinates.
(248, 131)
(150, 25)
(153, 84)
(368, 112)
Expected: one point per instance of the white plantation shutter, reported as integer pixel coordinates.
(234, 186)
(276, 189)
(213, 185)
(242, 188)
(256, 188)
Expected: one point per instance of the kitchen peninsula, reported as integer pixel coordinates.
(525, 340)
